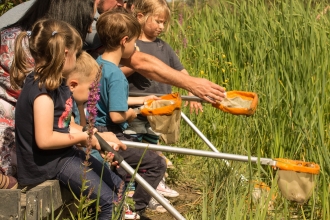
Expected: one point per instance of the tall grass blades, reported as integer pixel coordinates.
(280, 50)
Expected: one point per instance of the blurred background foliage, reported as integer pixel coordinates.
(5, 5)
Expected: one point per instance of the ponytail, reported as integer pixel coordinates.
(48, 73)
(20, 66)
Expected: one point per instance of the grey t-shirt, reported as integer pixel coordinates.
(164, 52)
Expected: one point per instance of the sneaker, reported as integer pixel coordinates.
(166, 191)
(8, 182)
(129, 214)
(154, 205)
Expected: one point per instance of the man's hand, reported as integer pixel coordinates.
(206, 90)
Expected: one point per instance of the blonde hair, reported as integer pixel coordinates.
(152, 8)
(48, 41)
(86, 65)
(113, 26)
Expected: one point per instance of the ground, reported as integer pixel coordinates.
(188, 198)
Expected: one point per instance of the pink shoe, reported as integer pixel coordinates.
(166, 191)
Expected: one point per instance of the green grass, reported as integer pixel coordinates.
(279, 50)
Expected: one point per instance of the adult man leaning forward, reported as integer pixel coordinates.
(145, 64)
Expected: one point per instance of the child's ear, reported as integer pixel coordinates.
(72, 84)
(66, 51)
(124, 40)
(139, 16)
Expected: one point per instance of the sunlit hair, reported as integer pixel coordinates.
(86, 66)
(152, 8)
(112, 26)
(48, 40)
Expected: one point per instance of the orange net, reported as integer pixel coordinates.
(296, 179)
(165, 106)
(239, 103)
(164, 116)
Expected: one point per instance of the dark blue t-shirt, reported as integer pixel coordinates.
(34, 164)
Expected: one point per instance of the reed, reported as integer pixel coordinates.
(279, 50)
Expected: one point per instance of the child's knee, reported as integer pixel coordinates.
(163, 165)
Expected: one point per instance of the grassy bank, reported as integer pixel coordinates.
(279, 50)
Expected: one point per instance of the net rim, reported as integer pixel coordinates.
(297, 165)
(165, 110)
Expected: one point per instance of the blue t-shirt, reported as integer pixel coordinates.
(113, 92)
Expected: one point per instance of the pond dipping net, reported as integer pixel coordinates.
(238, 103)
(164, 116)
(296, 179)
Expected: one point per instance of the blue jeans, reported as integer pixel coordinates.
(72, 173)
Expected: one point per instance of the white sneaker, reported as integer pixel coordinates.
(131, 215)
(154, 205)
(166, 191)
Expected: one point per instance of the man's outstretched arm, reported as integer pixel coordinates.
(152, 68)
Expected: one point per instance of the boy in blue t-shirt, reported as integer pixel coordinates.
(118, 32)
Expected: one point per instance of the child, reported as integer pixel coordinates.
(154, 17)
(118, 32)
(79, 81)
(45, 149)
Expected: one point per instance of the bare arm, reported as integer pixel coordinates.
(119, 117)
(135, 101)
(127, 71)
(141, 100)
(46, 138)
(152, 68)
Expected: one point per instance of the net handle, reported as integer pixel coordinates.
(297, 165)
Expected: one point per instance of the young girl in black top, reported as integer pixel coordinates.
(45, 148)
